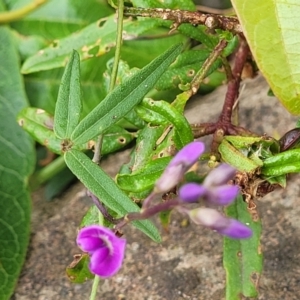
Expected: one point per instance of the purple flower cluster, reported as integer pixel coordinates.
(107, 250)
(214, 190)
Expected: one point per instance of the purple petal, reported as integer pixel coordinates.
(216, 221)
(93, 237)
(191, 192)
(170, 178)
(106, 263)
(220, 175)
(89, 244)
(207, 216)
(222, 195)
(181, 162)
(236, 230)
(188, 155)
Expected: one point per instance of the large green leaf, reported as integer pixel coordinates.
(123, 98)
(100, 184)
(272, 29)
(16, 163)
(94, 40)
(57, 19)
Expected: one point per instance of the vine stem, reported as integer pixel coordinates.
(195, 84)
(14, 15)
(114, 73)
(97, 154)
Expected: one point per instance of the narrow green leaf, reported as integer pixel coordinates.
(242, 259)
(144, 179)
(94, 40)
(123, 98)
(167, 113)
(144, 151)
(68, 106)
(100, 184)
(283, 163)
(16, 164)
(275, 24)
(235, 158)
(115, 139)
(39, 124)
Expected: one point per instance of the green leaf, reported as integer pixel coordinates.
(78, 271)
(100, 184)
(242, 259)
(95, 40)
(282, 163)
(68, 106)
(42, 87)
(123, 98)
(57, 19)
(164, 112)
(39, 124)
(115, 139)
(184, 68)
(144, 151)
(16, 164)
(275, 24)
(145, 178)
(237, 159)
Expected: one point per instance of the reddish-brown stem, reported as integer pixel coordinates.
(234, 83)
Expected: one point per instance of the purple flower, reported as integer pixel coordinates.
(211, 218)
(105, 248)
(180, 164)
(214, 188)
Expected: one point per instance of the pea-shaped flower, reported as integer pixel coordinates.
(105, 248)
(214, 188)
(180, 164)
(211, 218)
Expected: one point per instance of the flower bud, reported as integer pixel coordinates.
(213, 219)
(178, 166)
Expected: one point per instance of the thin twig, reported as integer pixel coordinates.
(199, 77)
(211, 21)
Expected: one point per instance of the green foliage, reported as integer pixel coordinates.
(274, 24)
(94, 40)
(123, 98)
(16, 164)
(71, 107)
(100, 184)
(78, 271)
(242, 259)
(68, 106)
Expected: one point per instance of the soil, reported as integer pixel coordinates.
(188, 263)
